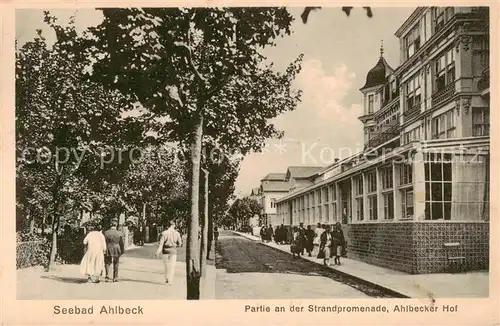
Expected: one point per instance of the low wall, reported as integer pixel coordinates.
(418, 247)
(387, 245)
(430, 254)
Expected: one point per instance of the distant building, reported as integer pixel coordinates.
(272, 187)
(418, 194)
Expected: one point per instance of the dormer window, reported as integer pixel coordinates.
(412, 41)
(370, 103)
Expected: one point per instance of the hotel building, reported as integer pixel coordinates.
(417, 198)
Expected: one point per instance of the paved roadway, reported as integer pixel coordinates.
(249, 270)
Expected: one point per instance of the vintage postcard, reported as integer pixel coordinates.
(244, 163)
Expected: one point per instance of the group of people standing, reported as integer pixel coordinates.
(102, 251)
(281, 235)
(331, 243)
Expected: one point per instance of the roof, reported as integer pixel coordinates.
(300, 172)
(275, 186)
(275, 176)
(378, 74)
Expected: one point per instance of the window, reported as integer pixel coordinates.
(480, 121)
(407, 203)
(443, 126)
(439, 18)
(371, 181)
(370, 104)
(358, 183)
(388, 205)
(334, 211)
(273, 202)
(412, 135)
(444, 70)
(333, 193)
(480, 54)
(405, 174)
(412, 41)
(359, 209)
(394, 89)
(372, 207)
(386, 175)
(438, 186)
(413, 92)
(318, 194)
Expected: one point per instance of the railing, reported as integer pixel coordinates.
(443, 94)
(412, 112)
(384, 136)
(484, 82)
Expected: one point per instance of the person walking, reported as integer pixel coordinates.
(169, 241)
(296, 243)
(317, 234)
(309, 240)
(270, 233)
(303, 239)
(115, 248)
(92, 264)
(216, 234)
(338, 240)
(326, 245)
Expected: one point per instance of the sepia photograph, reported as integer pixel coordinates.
(222, 153)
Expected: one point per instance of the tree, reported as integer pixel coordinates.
(242, 210)
(62, 124)
(200, 69)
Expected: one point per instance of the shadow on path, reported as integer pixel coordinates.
(72, 280)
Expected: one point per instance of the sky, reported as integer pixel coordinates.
(338, 53)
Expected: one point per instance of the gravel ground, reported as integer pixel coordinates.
(249, 270)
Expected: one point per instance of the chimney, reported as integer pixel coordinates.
(336, 160)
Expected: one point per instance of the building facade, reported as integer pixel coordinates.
(272, 187)
(419, 192)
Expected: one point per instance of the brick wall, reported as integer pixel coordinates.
(418, 248)
(430, 253)
(383, 244)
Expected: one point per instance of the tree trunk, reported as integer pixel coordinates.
(43, 222)
(53, 248)
(210, 232)
(55, 224)
(204, 230)
(192, 248)
(31, 218)
(144, 213)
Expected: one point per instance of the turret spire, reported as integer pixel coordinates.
(382, 48)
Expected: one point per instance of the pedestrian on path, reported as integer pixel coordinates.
(326, 245)
(317, 234)
(338, 240)
(303, 239)
(169, 241)
(270, 233)
(92, 264)
(296, 243)
(115, 248)
(309, 240)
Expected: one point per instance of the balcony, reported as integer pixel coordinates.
(483, 84)
(443, 94)
(388, 132)
(411, 112)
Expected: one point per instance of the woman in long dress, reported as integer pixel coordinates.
(92, 264)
